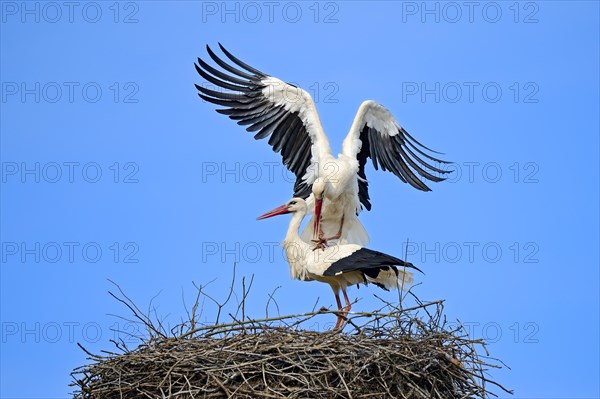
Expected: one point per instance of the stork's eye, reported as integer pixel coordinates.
(292, 202)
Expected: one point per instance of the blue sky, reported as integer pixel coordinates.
(113, 168)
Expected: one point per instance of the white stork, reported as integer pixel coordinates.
(288, 115)
(340, 265)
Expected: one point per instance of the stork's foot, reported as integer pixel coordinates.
(321, 242)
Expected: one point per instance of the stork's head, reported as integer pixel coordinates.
(318, 189)
(292, 206)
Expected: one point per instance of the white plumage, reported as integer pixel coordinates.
(287, 115)
(341, 265)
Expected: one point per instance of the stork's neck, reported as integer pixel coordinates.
(293, 234)
(295, 248)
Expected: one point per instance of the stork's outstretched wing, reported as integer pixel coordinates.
(376, 134)
(272, 107)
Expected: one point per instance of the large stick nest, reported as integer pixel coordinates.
(393, 352)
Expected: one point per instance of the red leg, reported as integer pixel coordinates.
(339, 317)
(348, 305)
(317, 217)
(322, 242)
(339, 233)
(340, 322)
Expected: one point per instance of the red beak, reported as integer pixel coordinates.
(280, 210)
(318, 204)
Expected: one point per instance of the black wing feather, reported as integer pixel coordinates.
(245, 103)
(395, 154)
(231, 69)
(365, 259)
(363, 184)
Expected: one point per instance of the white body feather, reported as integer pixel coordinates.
(307, 264)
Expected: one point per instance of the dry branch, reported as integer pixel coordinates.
(391, 352)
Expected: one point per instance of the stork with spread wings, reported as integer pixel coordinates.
(287, 116)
